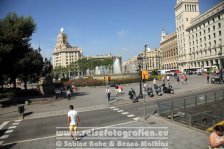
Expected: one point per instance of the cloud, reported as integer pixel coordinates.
(121, 33)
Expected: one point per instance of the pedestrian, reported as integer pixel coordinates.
(68, 93)
(145, 86)
(163, 80)
(108, 92)
(168, 78)
(182, 80)
(216, 139)
(21, 110)
(208, 77)
(178, 79)
(73, 122)
(62, 90)
(154, 83)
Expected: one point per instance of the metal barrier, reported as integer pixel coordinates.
(201, 110)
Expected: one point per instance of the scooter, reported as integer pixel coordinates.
(150, 91)
(132, 95)
(158, 90)
(168, 89)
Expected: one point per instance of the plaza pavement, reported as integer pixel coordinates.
(94, 98)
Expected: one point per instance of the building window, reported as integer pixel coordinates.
(213, 27)
(220, 33)
(219, 25)
(208, 30)
(214, 35)
(209, 37)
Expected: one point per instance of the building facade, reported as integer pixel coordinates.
(169, 51)
(64, 54)
(185, 11)
(130, 66)
(151, 59)
(206, 39)
(199, 37)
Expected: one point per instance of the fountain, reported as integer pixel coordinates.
(117, 66)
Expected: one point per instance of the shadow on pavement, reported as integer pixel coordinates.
(8, 146)
(2, 132)
(28, 113)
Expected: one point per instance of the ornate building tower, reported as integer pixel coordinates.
(64, 54)
(185, 11)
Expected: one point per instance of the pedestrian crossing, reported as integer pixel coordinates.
(6, 128)
(129, 115)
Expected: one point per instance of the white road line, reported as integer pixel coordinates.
(1, 142)
(9, 131)
(125, 113)
(12, 127)
(115, 109)
(15, 124)
(3, 124)
(112, 107)
(120, 111)
(136, 118)
(18, 120)
(66, 127)
(149, 106)
(4, 136)
(130, 115)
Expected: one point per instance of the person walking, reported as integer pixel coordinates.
(168, 77)
(208, 77)
(178, 79)
(108, 92)
(73, 122)
(68, 93)
(154, 83)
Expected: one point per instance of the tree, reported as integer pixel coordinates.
(30, 66)
(15, 35)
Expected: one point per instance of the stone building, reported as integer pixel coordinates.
(199, 37)
(151, 59)
(206, 39)
(64, 54)
(169, 52)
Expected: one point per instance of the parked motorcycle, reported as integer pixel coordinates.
(150, 91)
(158, 90)
(132, 95)
(168, 89)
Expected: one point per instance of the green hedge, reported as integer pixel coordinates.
(94, 82)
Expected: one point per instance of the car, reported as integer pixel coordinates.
(216, 79)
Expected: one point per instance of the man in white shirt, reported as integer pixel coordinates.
(73, 122)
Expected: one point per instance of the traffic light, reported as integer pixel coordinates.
(145, 74)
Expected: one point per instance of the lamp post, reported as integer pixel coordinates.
(140, 62)
(145, 57)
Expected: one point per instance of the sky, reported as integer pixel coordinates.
(99, 27)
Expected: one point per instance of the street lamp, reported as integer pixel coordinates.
(140, 62)
(145, 57)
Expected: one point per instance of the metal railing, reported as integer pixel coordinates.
(201, 110)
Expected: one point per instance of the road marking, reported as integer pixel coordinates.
(64, 127)
(115, 109)
(3, 124)
(120, 111)
(112, 107)
(12, 127)
(18, 120)
(9, 131)
(4, 136)
(15, 124)
(130, 115)
(125, 113)
(149, 106)
(136, 118)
